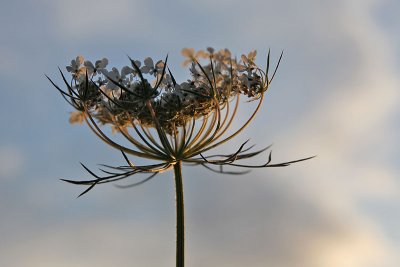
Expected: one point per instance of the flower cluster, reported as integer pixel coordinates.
(164, 120)
(120, 96)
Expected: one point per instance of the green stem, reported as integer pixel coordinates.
(180, 218)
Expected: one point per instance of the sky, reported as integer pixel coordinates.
(335, 96)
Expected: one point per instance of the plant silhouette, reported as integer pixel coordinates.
(168, 122)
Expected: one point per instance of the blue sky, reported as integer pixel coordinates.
(335, 95)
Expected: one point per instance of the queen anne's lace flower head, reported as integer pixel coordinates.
(118, 97)
(164, 119)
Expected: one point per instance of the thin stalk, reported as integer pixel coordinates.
(180, 218)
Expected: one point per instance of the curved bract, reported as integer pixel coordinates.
(162, 119)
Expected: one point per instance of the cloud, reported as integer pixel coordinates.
(356, 115)
(91, 243)
(254, 223)
(270, 219)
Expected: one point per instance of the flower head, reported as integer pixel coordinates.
(164, 120)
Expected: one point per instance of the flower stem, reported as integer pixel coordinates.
(180, 218)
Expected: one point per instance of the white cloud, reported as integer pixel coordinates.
(355, 116)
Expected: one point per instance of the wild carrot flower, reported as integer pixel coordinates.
(165, 121)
